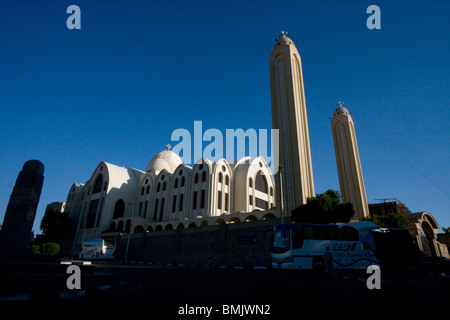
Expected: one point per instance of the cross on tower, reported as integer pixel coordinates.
(282, 34)
(168, 146)
(339, 104)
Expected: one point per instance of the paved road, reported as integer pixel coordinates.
(161, 283)
(164, 290)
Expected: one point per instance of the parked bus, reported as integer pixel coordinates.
(97, 249)
(354, 245)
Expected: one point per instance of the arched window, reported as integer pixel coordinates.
(220, 177)
(196, 178)
(227, 180)
(120, 226)
(203, 176)
(119, 209)
(176, 183)
(182, 181)
(98, 184)
(128, 226)
(261, 182)
(250, 182)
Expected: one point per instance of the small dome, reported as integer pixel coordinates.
(284, 40)
(341, 110)
(166, 159)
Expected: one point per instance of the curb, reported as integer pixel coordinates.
(191, 265)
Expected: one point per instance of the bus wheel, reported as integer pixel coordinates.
(318, 264)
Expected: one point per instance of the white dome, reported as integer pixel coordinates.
(341, 110)
(166, 159)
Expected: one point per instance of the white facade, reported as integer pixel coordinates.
(170, 195)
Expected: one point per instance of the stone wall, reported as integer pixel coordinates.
(234, 244)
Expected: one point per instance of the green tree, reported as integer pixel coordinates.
(393, 220)
(55, 226)
(323, 208)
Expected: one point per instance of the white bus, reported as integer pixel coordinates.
(354, 245)
(97, 249)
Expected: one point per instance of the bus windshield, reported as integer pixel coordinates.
(281, 240)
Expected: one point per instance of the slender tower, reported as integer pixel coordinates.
(348, 164)
(289, 117)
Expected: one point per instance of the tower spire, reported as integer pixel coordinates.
(351, 181)
(289, 117)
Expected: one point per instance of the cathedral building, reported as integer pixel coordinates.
(169, 195)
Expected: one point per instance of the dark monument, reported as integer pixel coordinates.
(15, 234)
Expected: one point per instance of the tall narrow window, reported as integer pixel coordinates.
(98, 184)
(180, 206)
(194, 201)
(226, 202)
(174, 203)
(203, 176)
(162, 210)
(155, 212)
(99, 212)
(92, 214)
(119, 209)
(219, 200)
(145, 208)
(261, 182)
(202, 199)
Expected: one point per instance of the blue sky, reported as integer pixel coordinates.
(115, 90)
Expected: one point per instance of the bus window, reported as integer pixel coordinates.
(298, 235)
(308, 232)
(349, 234)
(281, 241)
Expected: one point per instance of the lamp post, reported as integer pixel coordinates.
(281, 193)
(129, 233)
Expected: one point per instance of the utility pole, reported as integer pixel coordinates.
(129, 233)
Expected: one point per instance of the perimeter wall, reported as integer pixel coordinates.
(234, 244)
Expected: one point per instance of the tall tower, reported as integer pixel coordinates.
(289, 117)
(348, 164)
(21, 211)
